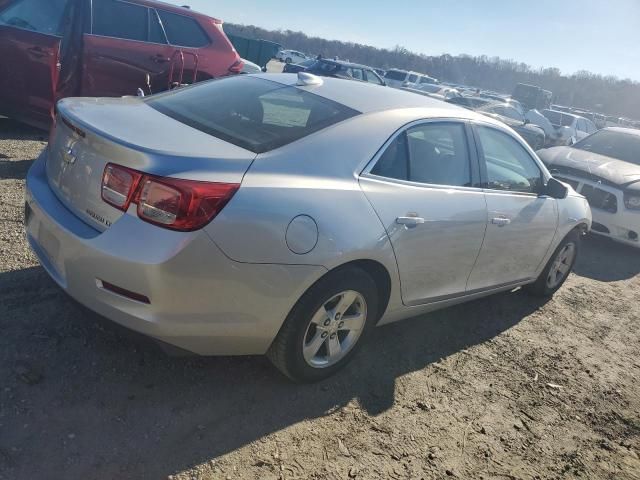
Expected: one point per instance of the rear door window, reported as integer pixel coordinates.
(43, 16)
(253, 113)
(432, 153)
(183, 31)
(113, 18)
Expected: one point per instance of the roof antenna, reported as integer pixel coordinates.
(306, 79)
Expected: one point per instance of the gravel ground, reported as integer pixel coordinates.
(507, 387)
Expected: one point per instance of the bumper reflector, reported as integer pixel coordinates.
(110, 287)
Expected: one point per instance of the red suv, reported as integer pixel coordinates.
(50, 49)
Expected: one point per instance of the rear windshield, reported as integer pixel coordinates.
(395, 75)
(253, 113)
(619, 145)
(558, 119)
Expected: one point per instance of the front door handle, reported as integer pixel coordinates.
(409, 221)
(501, 221)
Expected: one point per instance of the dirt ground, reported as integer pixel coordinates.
(507, 387)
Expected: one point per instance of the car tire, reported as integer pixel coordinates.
(288, 60)
(312, 323)
(558, 268)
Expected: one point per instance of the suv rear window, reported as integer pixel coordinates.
(252, 113)
(395, 75)
(183, 31)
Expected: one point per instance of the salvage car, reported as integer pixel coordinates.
(569, 128)
(52, 49)
(533, 134)
(298, 67)
(605, 168)
(290, 214)
(345, 70)
(291, 56)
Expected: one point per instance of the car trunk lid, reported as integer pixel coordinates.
(91, 133)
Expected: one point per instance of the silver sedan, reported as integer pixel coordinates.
(288, 215)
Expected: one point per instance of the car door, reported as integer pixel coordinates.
(126, 43)
(582, 129)
(521, 224)
(29, 43)
(424, 186)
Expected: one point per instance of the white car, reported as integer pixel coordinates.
(605, 168)
(402, 78)
(569, 128)
(250, 67)
(291, 56)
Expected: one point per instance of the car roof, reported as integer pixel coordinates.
(630, 131)
(366, 97)
(344, 63)
(175, 9)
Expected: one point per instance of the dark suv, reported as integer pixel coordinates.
(50, 49)
(346, 70)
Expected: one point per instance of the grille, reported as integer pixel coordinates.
(600, 199)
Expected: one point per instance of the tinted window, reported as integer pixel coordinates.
(250, 112)
(434, 153)
(412, 78)
(156, 35)
(509, 166)
(438, 154)
(43, 16)
(183, 31)
(395, 75)
(580, 125)
(394, 162)
(558, 118)
(371, 77)
(620, 145)
(513, 113)
(112, 18)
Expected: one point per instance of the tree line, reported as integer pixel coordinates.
(583, 89)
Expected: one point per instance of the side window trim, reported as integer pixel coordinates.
(473, 156)
(483, 167)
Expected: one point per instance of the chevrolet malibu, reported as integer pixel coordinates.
(288, 215)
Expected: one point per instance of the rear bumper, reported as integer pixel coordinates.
(200, 300)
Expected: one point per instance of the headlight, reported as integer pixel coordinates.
(632, 201)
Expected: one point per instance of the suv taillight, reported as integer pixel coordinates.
(183, 205)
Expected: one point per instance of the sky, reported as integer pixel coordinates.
(601, 36)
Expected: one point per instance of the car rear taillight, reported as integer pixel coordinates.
(236, 67)
(118, 185)
(177, 204)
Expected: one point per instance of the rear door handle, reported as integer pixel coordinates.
(501, 221)
(409, 221)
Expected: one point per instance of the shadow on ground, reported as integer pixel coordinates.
(604, 260)
(134, 412)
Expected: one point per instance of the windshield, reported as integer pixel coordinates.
(619, 145)
(250, 112)
(558, 119)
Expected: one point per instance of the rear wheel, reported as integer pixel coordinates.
(326, 326)
(558, 268)
(288, 60)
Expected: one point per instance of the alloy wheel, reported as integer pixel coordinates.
(334, 329)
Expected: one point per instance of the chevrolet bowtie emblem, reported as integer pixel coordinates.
(69, 156)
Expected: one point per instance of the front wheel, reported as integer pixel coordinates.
(558, 268)
(326, 326)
